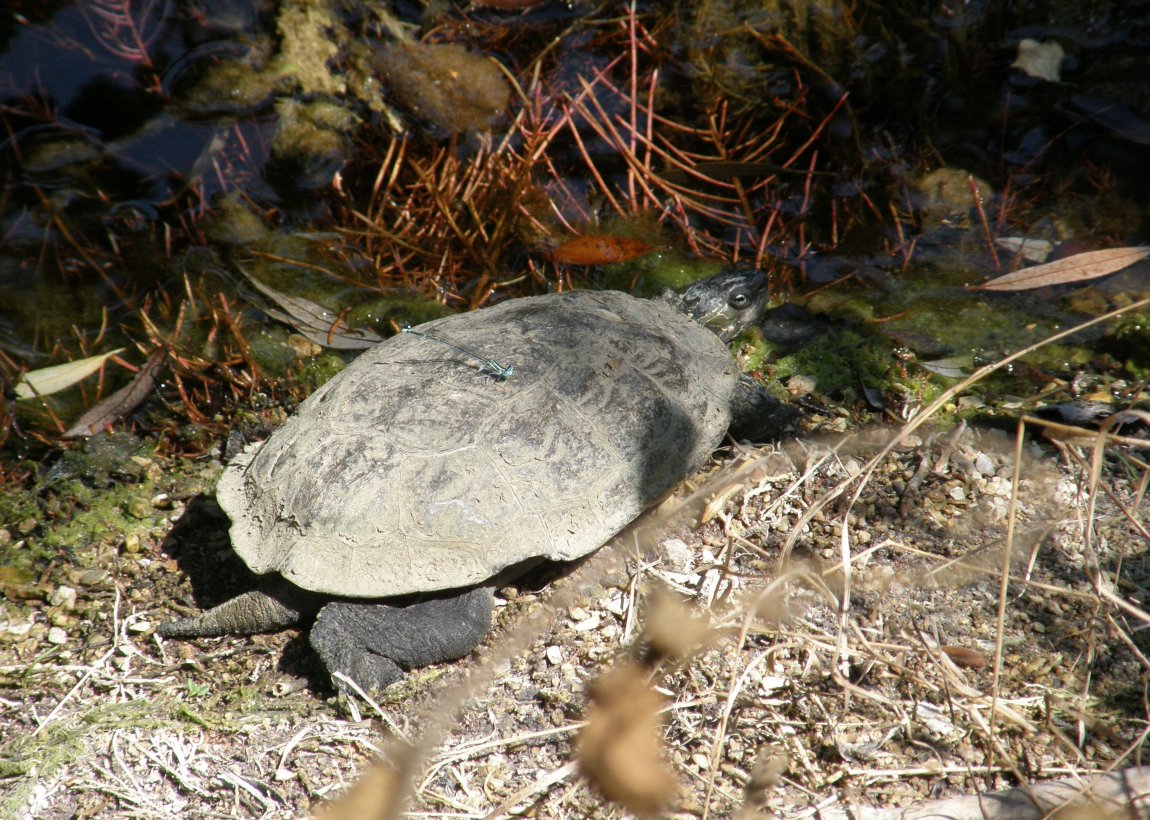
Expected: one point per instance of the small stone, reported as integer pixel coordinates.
(957, 493)
(57, 636)
(701, 760)
(19, 629)
(984, 465)
(91, 577)
(554, 655)
(304, 348)
(799, 386)
(617, 603)
(60, 618)
(140, 625)
(131, 543)
(577, 613)
(588, 623)
(63, 596)
(676, 553)
(162, 501)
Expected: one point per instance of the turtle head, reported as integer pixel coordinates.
(728, 303)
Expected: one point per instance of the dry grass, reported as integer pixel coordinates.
(950, 631)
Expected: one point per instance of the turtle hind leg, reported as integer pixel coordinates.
(375, 643)
(275, 605)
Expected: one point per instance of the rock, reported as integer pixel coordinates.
(64, 597)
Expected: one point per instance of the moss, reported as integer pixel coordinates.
(839, 363)
(232, 223)
(226, 79)
(94, 495)
(60, 154)
(659, 270)
(89, 519)
(404, 311)
(319, 370)
(17, 509)
(272, 352)
(945, 194)
(38, 758)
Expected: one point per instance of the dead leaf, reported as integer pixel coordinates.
(49, 380)
(315, 322)
(123, 401)
(969, 658)
(1081, 267)
(598, 250)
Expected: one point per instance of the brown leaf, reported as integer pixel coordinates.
(619, 750)
(598, 250)
(1081, 267)
(961, 656)
(123, 401)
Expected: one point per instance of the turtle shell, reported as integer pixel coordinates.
(414, 470)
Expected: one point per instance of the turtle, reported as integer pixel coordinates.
(398, 496)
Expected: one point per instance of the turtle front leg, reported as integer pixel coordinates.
(375, 643)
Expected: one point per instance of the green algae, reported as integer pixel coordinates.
(657, 271)
(383, 314)
(315, 372)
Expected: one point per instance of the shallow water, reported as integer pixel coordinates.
(151, 145)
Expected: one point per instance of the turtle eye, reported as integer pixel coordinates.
(739, 300)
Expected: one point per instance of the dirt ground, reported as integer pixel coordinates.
(856, 654)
